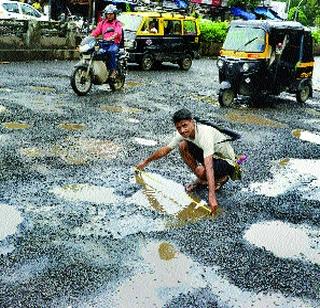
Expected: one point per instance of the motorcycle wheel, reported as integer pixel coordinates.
(226, 97)
(146, 63)
(303, 94)
(117, 83)
(185, 63)
(80, 83)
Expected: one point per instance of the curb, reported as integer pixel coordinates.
(38, 54)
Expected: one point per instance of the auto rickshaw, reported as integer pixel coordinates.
(155, 37)
(265, 57)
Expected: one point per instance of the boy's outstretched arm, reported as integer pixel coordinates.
(164, 151)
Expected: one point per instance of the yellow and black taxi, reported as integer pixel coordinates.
(265, 57)
(155, 37)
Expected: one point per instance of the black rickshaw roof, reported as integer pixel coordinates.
(269, 25)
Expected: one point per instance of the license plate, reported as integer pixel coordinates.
(86, 57)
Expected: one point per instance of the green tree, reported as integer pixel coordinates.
(307, 13)
(250, 4)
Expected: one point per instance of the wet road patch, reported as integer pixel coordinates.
(76, 151)
(72, 126)
(16, 125)
(46, 89)
(206, 99)
(120, 109)
(252, 119)
(286, 240)
(133, 84)
(306, 136)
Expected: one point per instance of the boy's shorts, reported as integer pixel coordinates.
(220, 166)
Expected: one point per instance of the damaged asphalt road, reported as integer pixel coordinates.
(79, 228)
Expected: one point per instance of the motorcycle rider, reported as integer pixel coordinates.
(111, 30)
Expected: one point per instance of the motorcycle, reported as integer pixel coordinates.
(92, 69)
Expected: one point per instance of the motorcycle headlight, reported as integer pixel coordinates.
(220, 63)
(245, 67)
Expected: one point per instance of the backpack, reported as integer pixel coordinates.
(230, 133)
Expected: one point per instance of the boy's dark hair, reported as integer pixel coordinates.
(182, 114)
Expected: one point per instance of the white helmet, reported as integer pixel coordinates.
(110, 9)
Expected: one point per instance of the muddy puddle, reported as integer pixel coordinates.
(10, 219)
(286, 240)
(306, 136)
(243, 117)
(86, 193)
(72, 126)
(76, 151)
(120, 109)
(133, 84)
(169, 198)
(46, 89)
(291, 175)
(16, 125)
(167, 273)
(205, 99)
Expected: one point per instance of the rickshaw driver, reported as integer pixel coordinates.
(103, 28)
(199, 145)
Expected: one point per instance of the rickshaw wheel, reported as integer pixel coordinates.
(147, 62)
(303, 94)
(226, 97)
(185, 63)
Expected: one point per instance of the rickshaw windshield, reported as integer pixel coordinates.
(246, 39)
(130, 22)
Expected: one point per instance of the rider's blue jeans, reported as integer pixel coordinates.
(112, 56)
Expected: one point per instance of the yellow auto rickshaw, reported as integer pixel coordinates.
(265, 57)
(155, 37)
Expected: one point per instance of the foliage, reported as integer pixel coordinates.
(316, 37)
(213, 31)
(250, 4)
(300, 15)
(308, 10)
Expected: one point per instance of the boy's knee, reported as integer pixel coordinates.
(200, 172)
(183, 146)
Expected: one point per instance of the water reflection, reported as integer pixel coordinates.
(286, 240)
(146, 142)
(169, 197)
(299, 175)
(306, 136)
(10, 219)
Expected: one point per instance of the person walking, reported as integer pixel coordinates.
(206, 151)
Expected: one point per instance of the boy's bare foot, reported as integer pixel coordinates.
(221, 182)
(194, 185)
